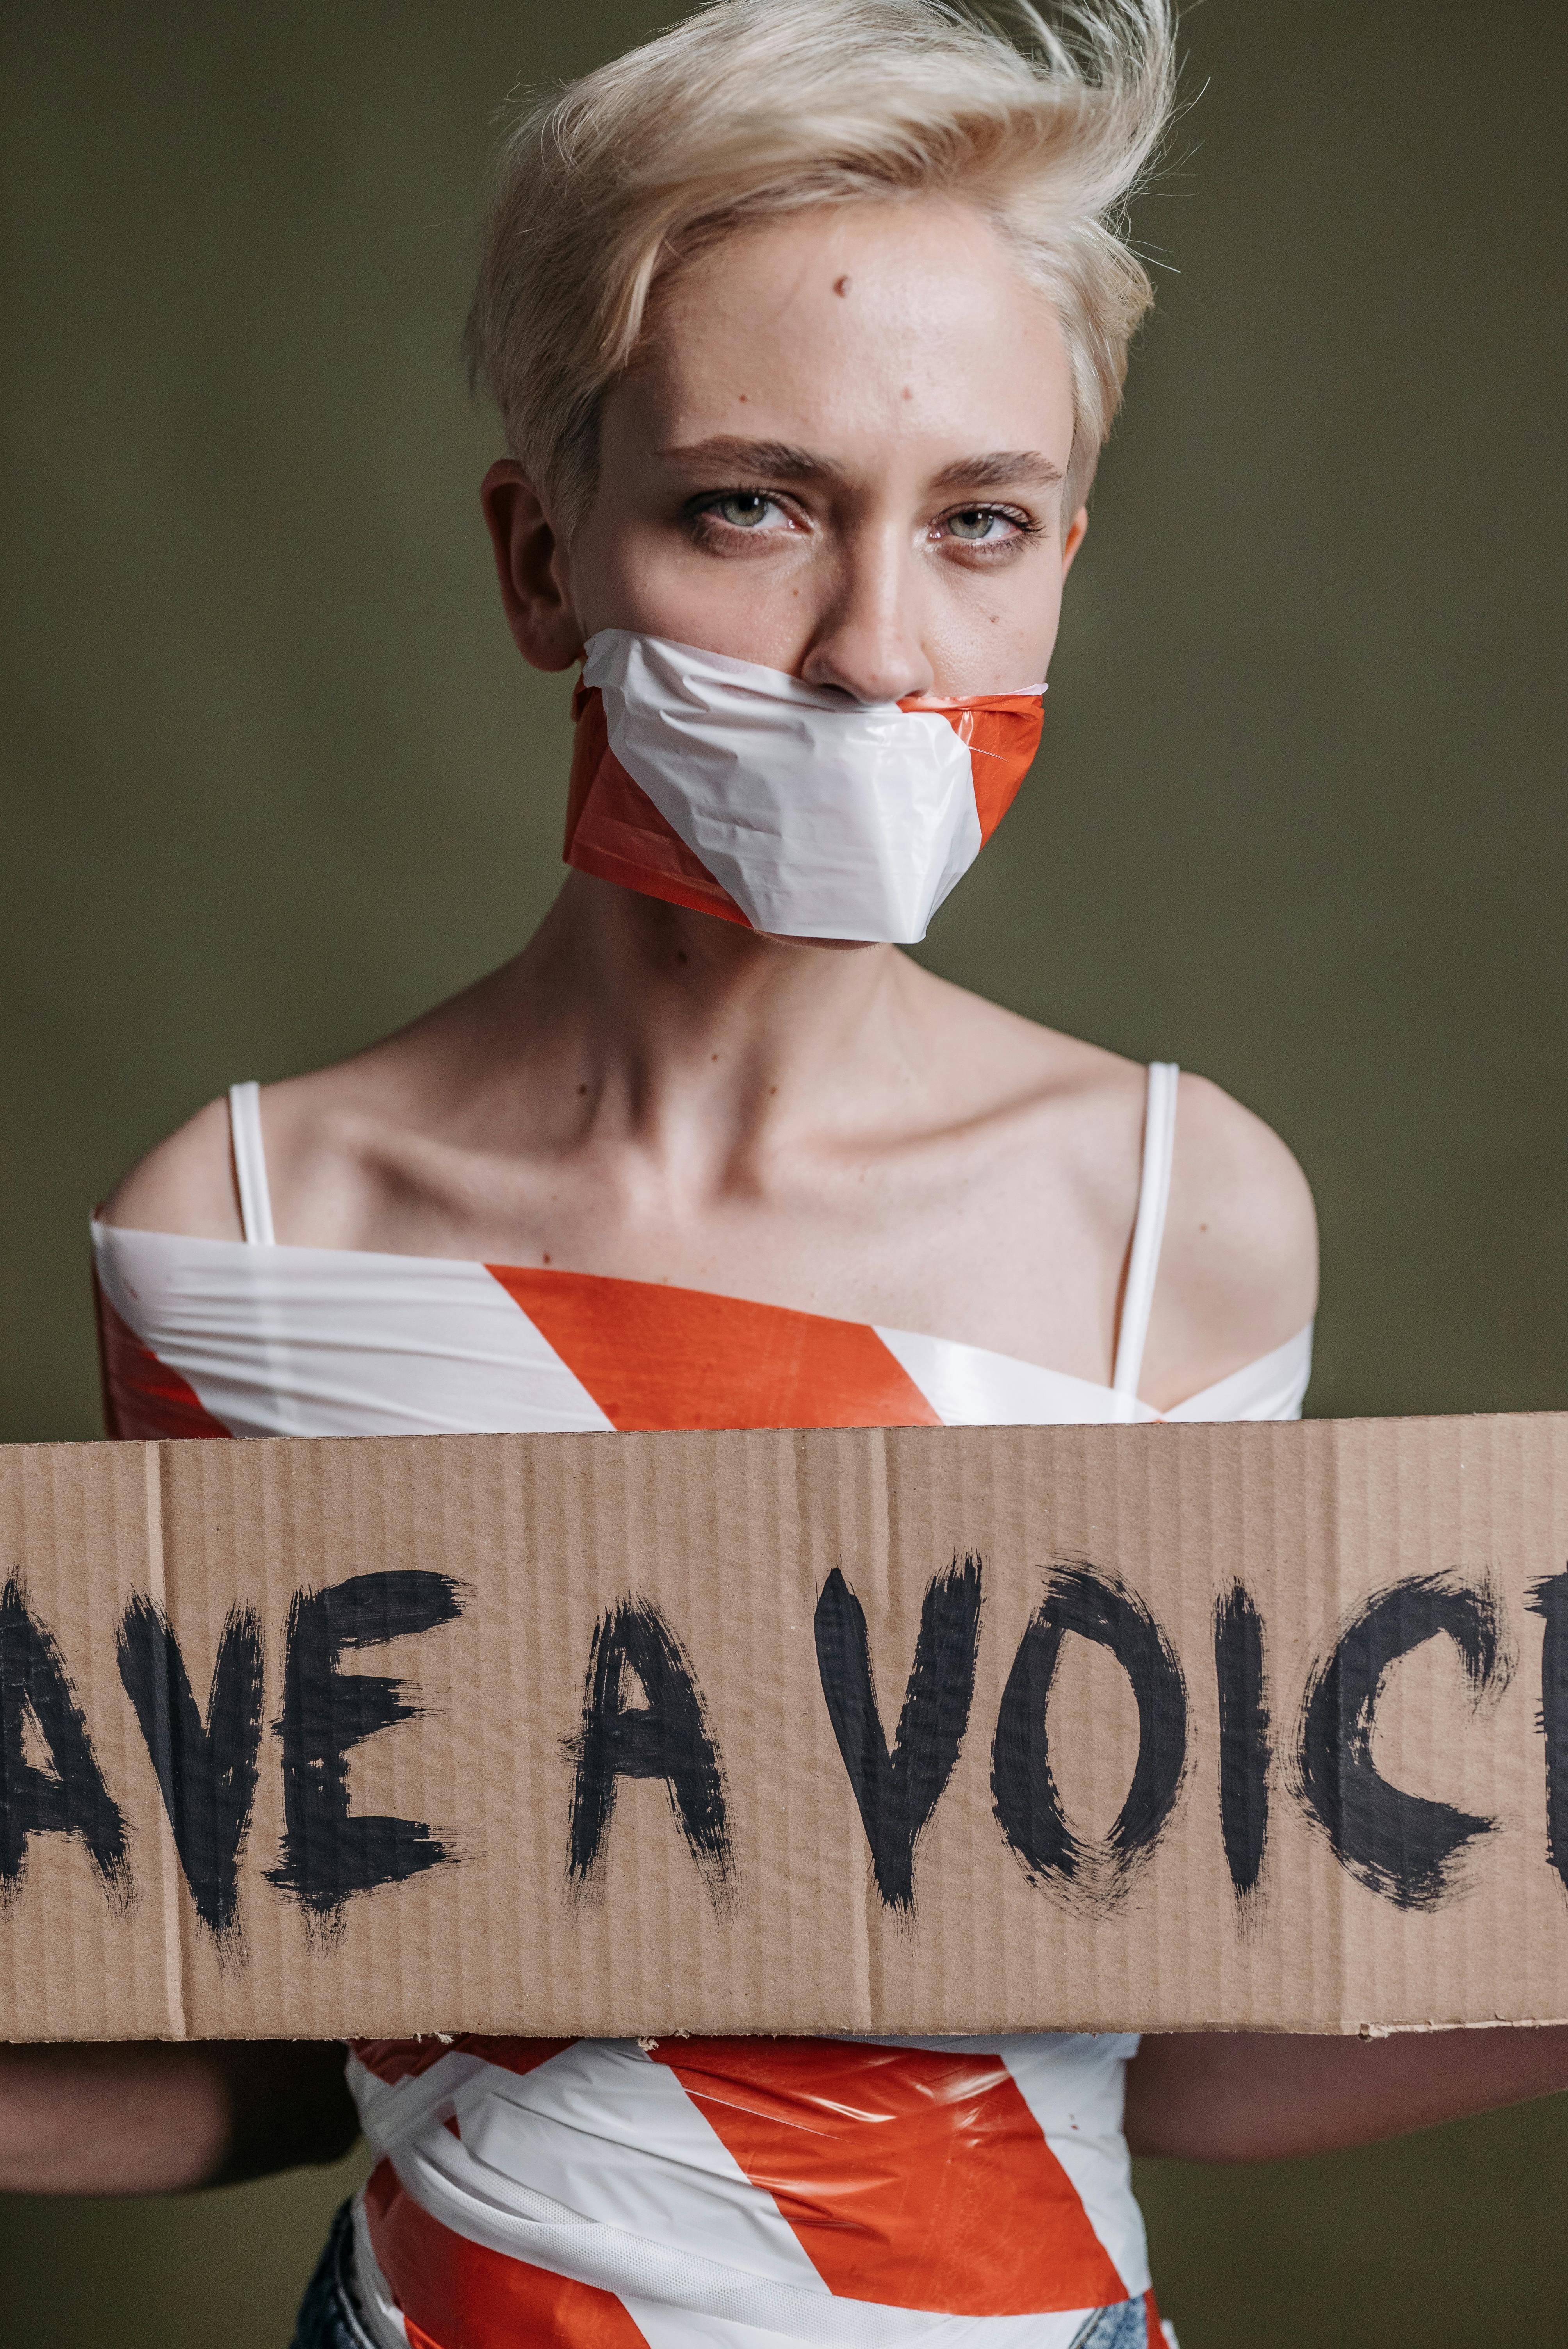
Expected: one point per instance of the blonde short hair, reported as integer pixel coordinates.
(750, 108)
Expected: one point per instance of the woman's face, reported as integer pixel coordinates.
(840, 455)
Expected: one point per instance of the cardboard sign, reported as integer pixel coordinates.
(895, 1730)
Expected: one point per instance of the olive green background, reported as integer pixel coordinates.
(273, 780)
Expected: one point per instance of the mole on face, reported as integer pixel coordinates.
(840, 286)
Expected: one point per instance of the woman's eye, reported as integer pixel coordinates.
(756, 513)
(744, 509)
(976, 524)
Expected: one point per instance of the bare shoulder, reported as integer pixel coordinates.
(1238, 1273)
(319, 1132)
(186, 1184)
(1237, 1187)
(331, 1139)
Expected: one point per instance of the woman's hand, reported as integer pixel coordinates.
(1256, 2096)
(155, 2119)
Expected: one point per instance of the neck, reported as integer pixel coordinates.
(691, 1030)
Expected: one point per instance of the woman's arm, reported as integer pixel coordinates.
(1255, 2096)
(152, 2118)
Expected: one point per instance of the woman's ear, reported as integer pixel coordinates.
(1074, 539)
(531, 565)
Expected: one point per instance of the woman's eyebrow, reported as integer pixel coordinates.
(1001, 467)
(775, 461)
(781, 460)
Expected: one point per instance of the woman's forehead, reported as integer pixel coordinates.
(910, 320)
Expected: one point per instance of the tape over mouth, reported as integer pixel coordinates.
(738, 791)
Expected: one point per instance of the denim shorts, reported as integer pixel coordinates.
(329, 2315)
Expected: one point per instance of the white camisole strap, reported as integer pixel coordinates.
(251, 1164)
(1148, 1231)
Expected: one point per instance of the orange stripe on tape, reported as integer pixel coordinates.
(918, 2179)
(615, 831)
(1003, 734)
(653, 1356)
(455, 2294)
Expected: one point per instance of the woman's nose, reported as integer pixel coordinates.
(869, 641)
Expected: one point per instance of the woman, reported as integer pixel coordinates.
(807, 322)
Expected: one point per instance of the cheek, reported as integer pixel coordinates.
(626, 576)
(998, 635)
(654, 581)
